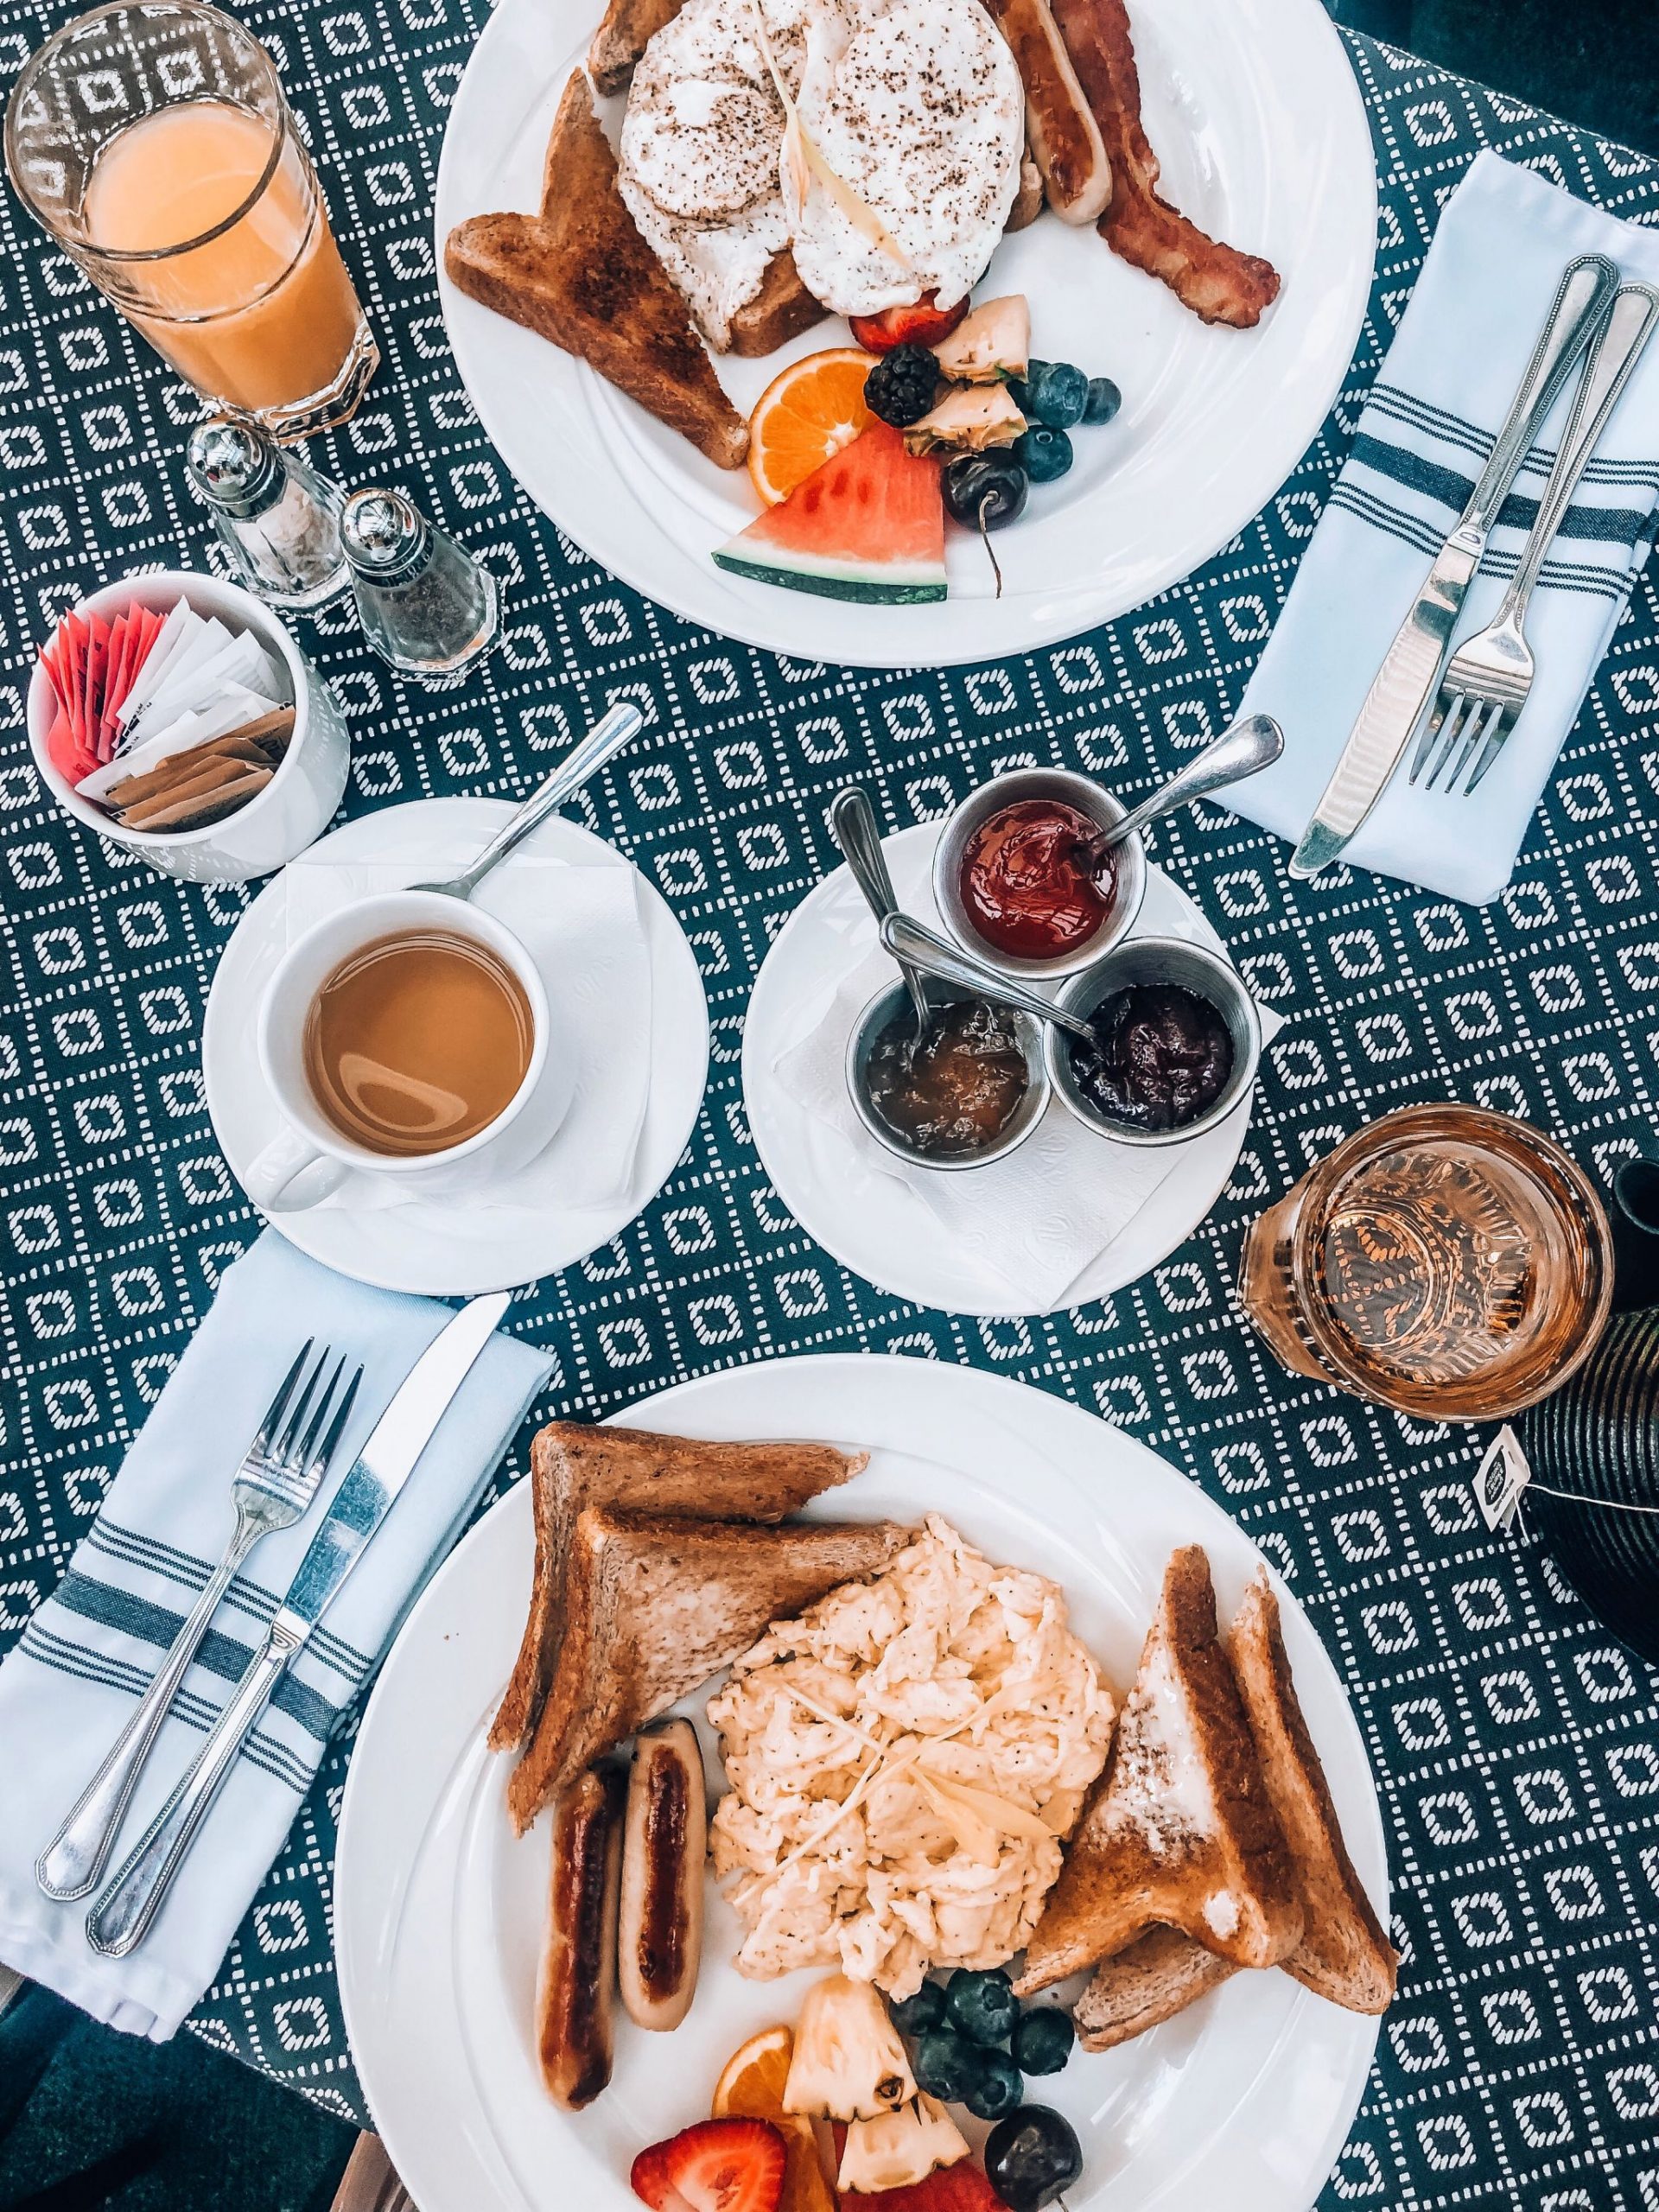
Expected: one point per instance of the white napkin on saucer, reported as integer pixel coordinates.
(69, 1684)
(1503, 239)
(581, 922)
(1023, 1230)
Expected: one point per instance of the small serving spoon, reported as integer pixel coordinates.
(853, 826)
(1242, 751)
(913, 945)
(585, 759)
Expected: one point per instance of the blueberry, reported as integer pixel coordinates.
(1043, 454)
(914, 2015)
(982, 2005)
(1103, 401)
(996, 2087)
(946, 2063)
(1056, 395)
(1042, 2040)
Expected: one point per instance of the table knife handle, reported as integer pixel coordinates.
(121, 1917)
(72, 1862)
(1580, 308)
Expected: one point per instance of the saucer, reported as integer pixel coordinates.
(454, 1248)
(875, 1227)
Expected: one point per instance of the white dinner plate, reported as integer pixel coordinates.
(1262, 135)
(454, 1248)
(871, 1223)
(1243, 2102)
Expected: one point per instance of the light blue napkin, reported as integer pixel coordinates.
(67, 1687)
(1503, 239)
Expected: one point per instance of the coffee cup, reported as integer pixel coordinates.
(317, 1149)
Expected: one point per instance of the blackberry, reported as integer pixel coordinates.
(901, 387)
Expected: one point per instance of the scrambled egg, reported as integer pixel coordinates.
(905, 1760)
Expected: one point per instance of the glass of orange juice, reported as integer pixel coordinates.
(151, 139)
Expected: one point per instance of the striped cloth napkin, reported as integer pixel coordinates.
(68, 1685)
(1503, 239)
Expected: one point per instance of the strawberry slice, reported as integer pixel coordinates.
(961, 2187)
(719, 2165)
(923, 324)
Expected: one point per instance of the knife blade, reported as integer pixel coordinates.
(1411, 666)
(122, 1914)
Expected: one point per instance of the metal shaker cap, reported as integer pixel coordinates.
(385, 535)
(232, 468)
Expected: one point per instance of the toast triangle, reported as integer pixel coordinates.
(581, 275)
(655, 1606)
(1182, 1831)
(573, 1464)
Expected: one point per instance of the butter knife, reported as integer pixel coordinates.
(120, 1919)
(1411, 666)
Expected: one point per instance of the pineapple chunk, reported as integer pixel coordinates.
(969, 422)
(901, 2148)
(848, 2062)
(994, 342)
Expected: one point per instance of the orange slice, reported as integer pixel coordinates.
(751, 2087)
(807, 414)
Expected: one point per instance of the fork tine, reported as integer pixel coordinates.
(284, 1447)
(342, 1413)
(1456, 715)
(1479, 725)
(278, 1404)
(1497, 736)
(300, 1457)
(1436, 716)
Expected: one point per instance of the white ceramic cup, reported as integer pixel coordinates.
(310, 1158)
(295, 806)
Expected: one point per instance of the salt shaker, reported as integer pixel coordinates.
(278, 520)
(426, 606)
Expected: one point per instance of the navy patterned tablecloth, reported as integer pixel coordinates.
(1515, 1746)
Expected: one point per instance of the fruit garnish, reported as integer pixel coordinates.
(1043, 2036)
(968, 420)
(961, 2187)
(1032, 2156)
(718, 2165)
(985, 490)
(805, 416)
(899, 2148)
(923, 323)
(902, 386)
(848, 2061)
(1052, 393)
(994, 342)
(868, 526)
(751, 2087)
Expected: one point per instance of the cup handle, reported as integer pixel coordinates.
(290, 1174)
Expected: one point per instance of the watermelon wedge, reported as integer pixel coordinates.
(868, 524)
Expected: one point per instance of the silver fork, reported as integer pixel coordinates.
(274, 1485)
(1489, 678)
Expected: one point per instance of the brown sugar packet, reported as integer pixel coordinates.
(271, 731)
(196, 809)
(183, 767)
(197, 777)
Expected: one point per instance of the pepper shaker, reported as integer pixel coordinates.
(276, 516)
(426, 606)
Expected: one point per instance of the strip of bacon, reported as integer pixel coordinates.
(1218, 282)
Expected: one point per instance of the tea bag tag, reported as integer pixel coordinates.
(1500, 1480)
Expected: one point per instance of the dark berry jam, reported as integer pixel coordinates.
(1161, 1057)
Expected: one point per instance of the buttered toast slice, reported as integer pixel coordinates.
(655, 1606)
(1343, 1954)
(1182, 1832)
(581, 275)
(574, 1465)
(626, 29)
(780, 310)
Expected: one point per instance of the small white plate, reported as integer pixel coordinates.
(1243, 2101)
(873, 1225)
(1263, 140)
(452, 1248)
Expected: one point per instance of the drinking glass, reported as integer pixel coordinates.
(1446, 1262)
(150, 138)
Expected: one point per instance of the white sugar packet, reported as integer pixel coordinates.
(581, 922)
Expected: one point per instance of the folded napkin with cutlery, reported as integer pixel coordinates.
(1022, 1230)
(1503, 239)
(68, 1685)
(581, 924)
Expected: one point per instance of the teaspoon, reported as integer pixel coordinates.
(1242, 751)
(909, 942)
(585, 759)
(853, 826)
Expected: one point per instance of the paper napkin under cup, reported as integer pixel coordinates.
(581, 924)
(1505, 238)
(1022, 1230)
(67, 1687)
